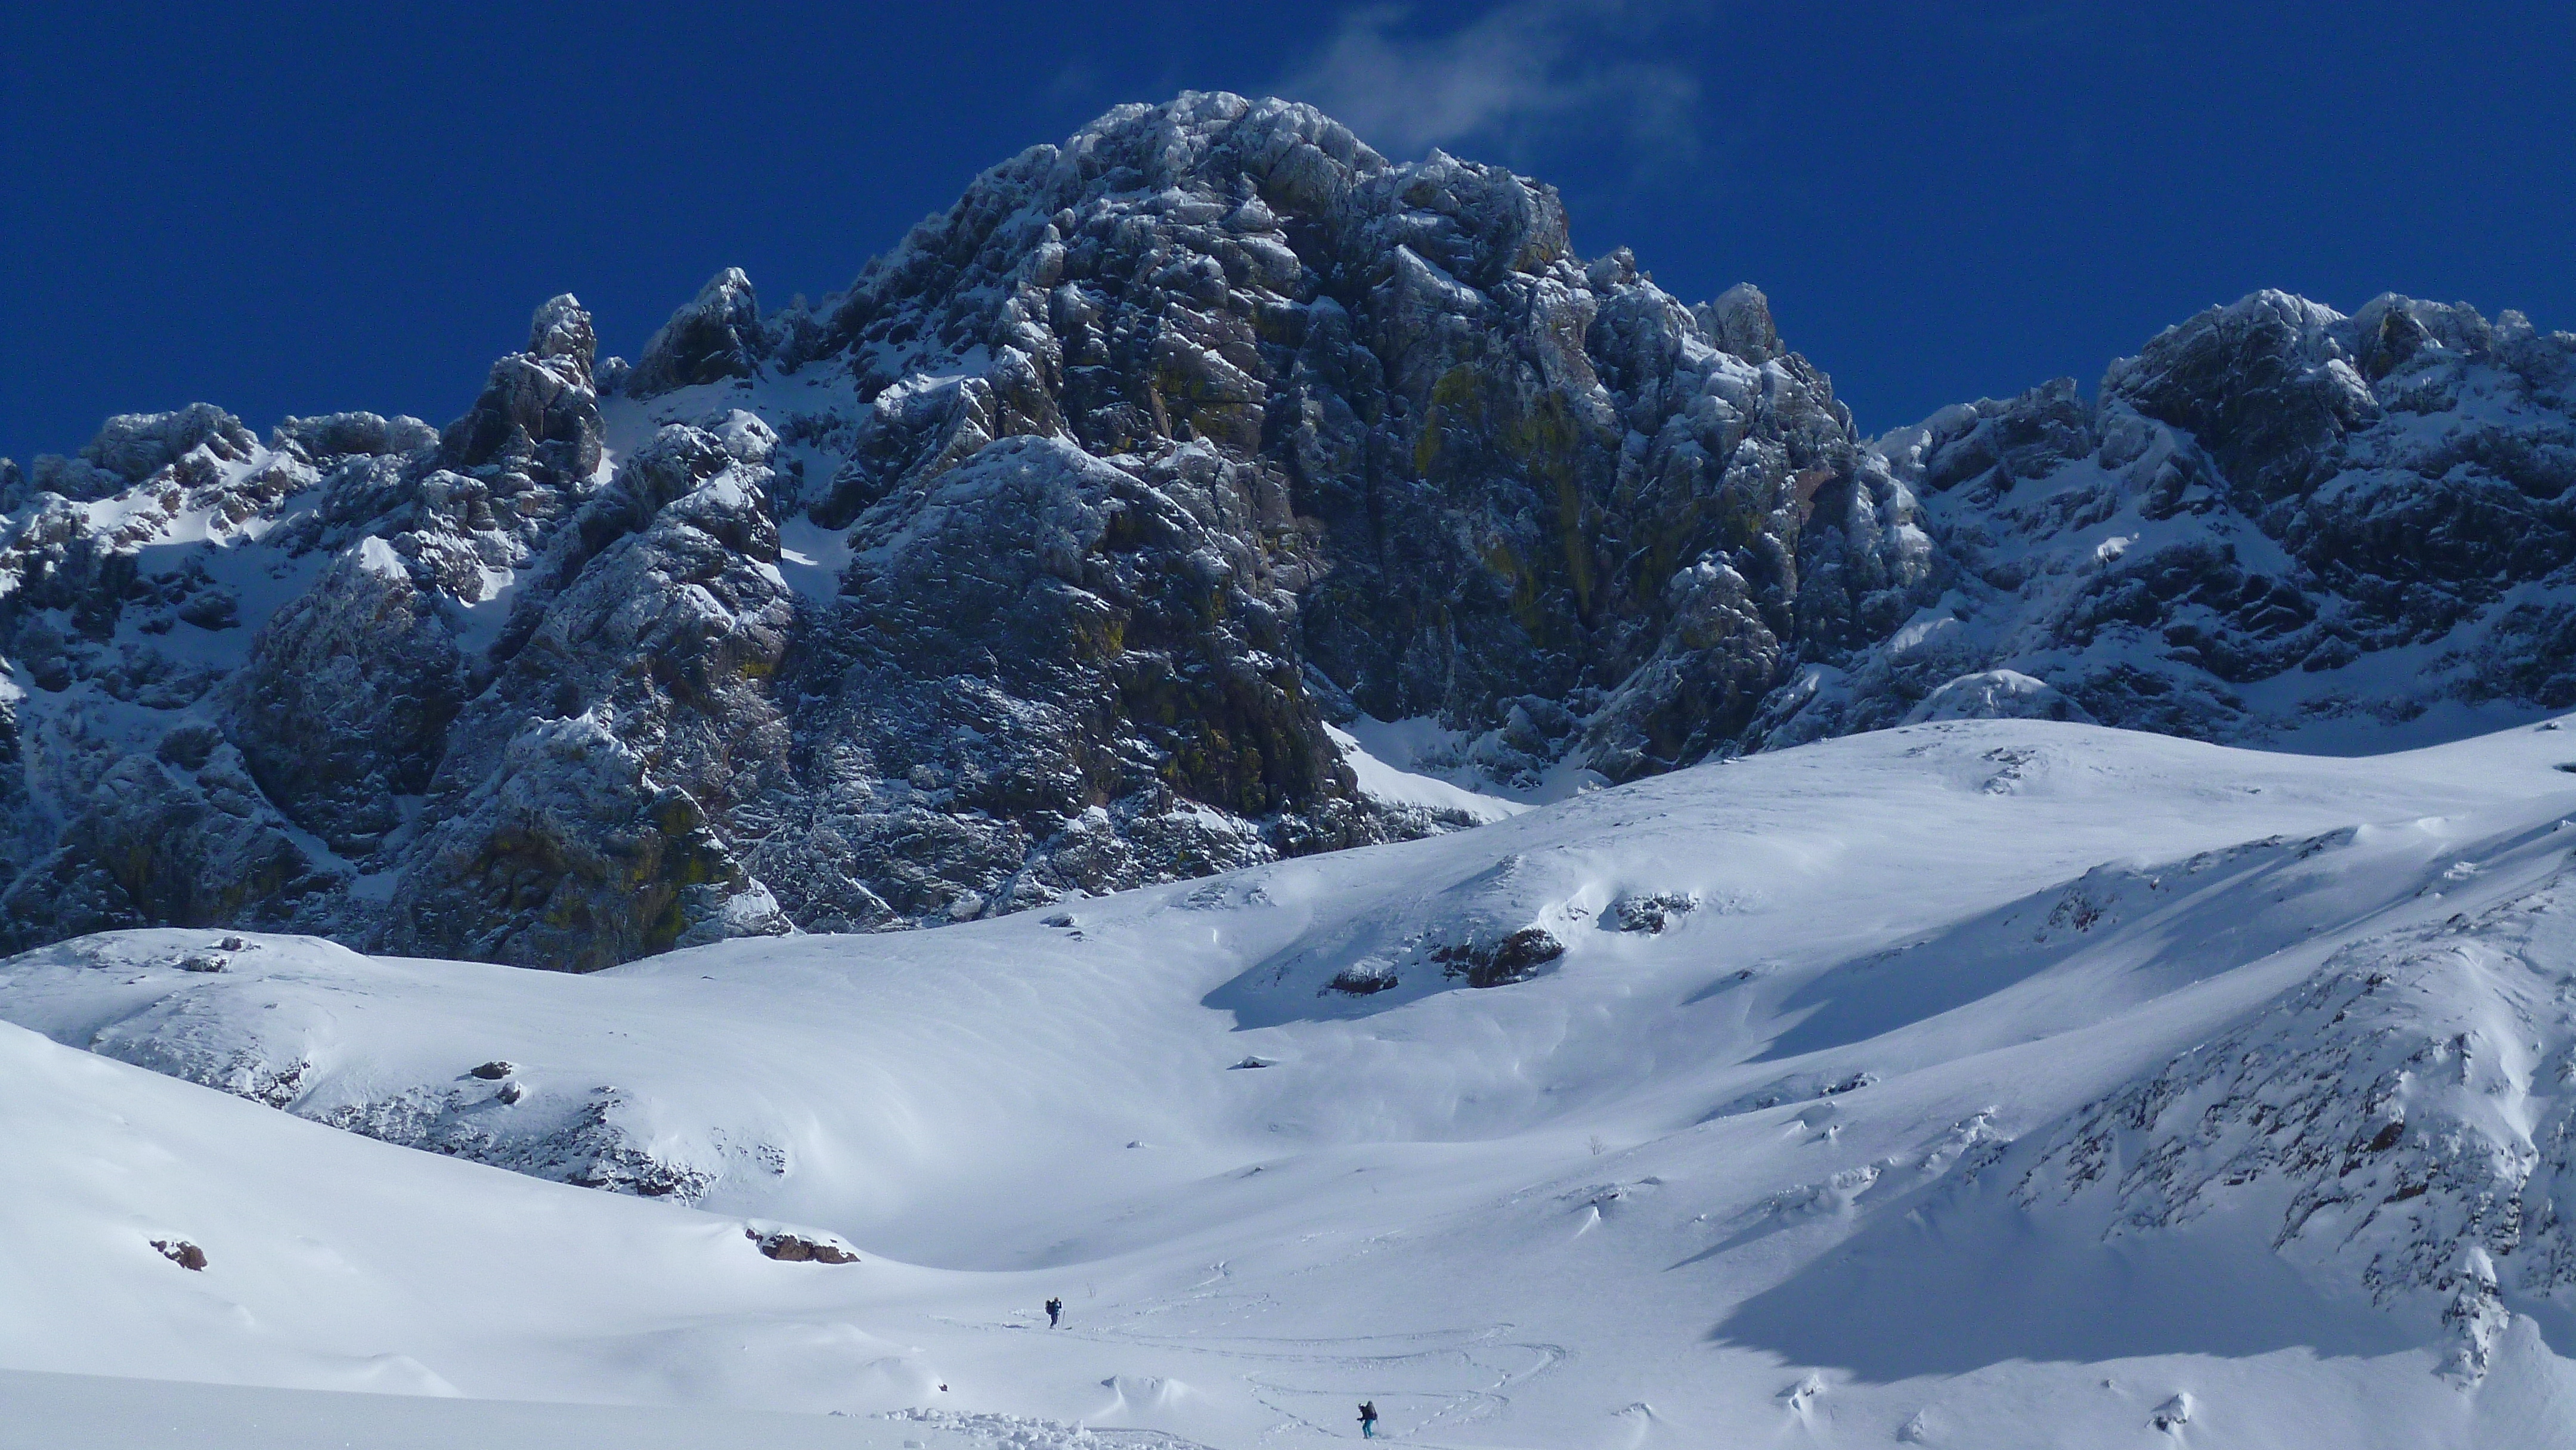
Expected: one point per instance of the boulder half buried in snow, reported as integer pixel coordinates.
(799, 1246)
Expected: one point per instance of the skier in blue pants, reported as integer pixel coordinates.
(1368, 1419)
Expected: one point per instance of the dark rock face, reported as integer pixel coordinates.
(345, 700)
(715, 337)
(1477, 462)
(1037, 562)
(2277, 524)
(1047, 659)
(540, 408)
(570, 822)
(155, 844)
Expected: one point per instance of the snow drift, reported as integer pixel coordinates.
(1981, 1082)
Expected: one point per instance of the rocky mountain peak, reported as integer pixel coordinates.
(2276, 524)
(1049, 557)
(540, 408)
(718, 335)
(561, 332)
(1739, 321)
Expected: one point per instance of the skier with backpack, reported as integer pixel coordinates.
(1368, 1419)
(1055, 1310)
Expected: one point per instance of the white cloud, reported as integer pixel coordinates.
(1519, 67)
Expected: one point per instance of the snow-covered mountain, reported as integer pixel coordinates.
(1147, 571)
(2277, 525)
(1975, 1083)
(1149, 512)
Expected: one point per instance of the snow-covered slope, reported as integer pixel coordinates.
(82, 1412)
(1981, 1083)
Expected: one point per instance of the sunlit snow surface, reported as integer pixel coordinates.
(1959, 1099)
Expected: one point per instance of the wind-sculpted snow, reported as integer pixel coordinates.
(1047, 559)
(285, 1049)
(2404, 1116)
(2010, 1083)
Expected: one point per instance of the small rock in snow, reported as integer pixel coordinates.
(1363, 980)
(1648, 914)
(795, 1248)
(181, 1252)
(495, 1070)
(2173, 1414)
(1517, 957)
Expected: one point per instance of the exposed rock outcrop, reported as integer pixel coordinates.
(183, 1253)
(2276, 524)
(717, 336)
(790, 1246)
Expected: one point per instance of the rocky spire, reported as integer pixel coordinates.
(716, 336)
(561, 333)
(539, 408)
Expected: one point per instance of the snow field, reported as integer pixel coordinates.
(1746, 1178)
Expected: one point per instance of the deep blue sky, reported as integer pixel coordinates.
(289, 208)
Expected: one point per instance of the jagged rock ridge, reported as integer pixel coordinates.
(1037, 562)
(2276, 525)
